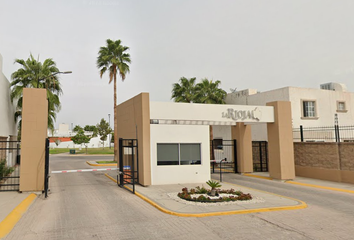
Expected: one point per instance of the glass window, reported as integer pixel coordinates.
(190, 153)
(178, 154)
(309, 109)
(167, 154)
(341, 106)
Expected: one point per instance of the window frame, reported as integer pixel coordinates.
(303, 109)
(179, 154)
(345, 106)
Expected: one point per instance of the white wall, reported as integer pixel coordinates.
(95, 142)
(182, 173)
(7, 110)
(326, 106)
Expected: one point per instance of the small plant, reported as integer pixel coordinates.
(201, 190)
(213, 185)
(5, 170)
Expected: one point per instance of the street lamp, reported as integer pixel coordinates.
(109, 123)
(66, 72)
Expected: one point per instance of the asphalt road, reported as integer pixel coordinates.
(90, 206)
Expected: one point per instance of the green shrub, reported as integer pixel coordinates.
(5, 170)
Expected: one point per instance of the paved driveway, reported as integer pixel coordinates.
(91, 206)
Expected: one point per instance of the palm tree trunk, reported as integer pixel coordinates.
(115, 118)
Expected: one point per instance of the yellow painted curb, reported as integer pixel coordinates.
(101, 164)
(300, 206)
(10, 221)
(256, 176)
(318, 186)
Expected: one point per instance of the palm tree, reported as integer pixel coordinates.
(34, 74)
(184, 91)
(113, 57)
(208, 91)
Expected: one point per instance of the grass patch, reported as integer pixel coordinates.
(106, 162)
(83, 150)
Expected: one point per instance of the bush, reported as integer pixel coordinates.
(4, 170)
(234, 195)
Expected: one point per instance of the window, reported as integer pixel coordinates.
(341, 106)
(217, 143)
(309, 109)
(178, 153)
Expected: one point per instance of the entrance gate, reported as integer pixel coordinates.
(260, 156)
(128, 163)
(9, 166)
(226, 151)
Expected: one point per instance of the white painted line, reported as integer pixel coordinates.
(85, 170)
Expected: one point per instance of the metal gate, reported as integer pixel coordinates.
(9, 166)
(223, 150)
(260, 156)
(128, 163)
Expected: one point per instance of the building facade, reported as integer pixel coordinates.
(7, 109)
(309, 107)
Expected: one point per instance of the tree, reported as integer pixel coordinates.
(114, 59)
(80, 137)
(77, 128)
(208, 91)
(184, 91)
(34, 74)
(91, 128)
(103, 129)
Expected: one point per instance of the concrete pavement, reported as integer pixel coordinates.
(91, 206)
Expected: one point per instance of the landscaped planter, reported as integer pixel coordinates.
(203, 195)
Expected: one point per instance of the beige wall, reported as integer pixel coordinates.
(280, 142)
(133, 121)
(242, 134)
(34, 133)
(326, 161)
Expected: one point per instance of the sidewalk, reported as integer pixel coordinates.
(310, 182)
(10, 200)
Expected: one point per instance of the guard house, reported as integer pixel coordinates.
(174, 139)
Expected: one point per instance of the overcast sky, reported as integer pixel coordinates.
(244, 44)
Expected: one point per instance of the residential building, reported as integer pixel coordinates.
(309, 107)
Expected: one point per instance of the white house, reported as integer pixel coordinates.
(7, 123)
(309, 107)
(7, 110)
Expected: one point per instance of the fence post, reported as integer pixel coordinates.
(120, 159)
(235, 156)
(301, 134)
(46, 168)
(336, 128)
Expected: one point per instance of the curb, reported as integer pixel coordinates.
(303, 184)
(101, 164)
(300, 206)
(15, 215)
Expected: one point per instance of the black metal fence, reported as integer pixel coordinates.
(223, 150)
(9, 166)
(260, 156)
(333, 133)
(128, 163)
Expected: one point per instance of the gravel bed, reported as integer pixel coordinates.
(178, 199)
